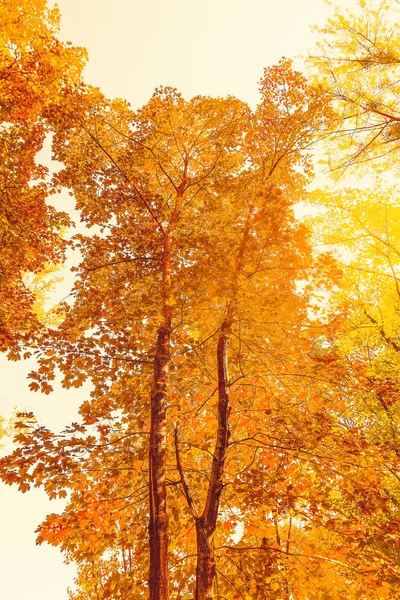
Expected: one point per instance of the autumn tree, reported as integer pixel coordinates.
(357, 61)
(238, 217)
(157, 172)
(360, 226)
(237, 441)
(268, 250)
(34, 67)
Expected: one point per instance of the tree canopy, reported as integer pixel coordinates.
(34, 68)
(241, 436)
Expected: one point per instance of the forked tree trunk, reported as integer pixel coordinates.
(206, 571)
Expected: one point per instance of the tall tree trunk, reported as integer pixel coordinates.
(158, 524)
(206, 570)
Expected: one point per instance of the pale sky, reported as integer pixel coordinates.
(208, 47)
